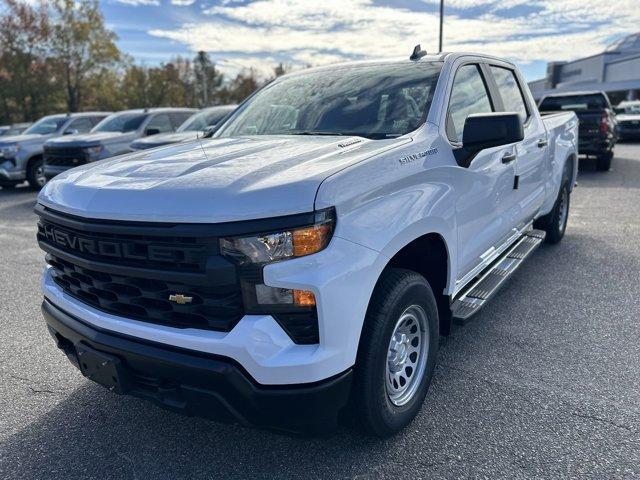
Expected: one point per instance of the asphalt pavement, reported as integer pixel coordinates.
(544, 383)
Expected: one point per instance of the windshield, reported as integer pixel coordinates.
(574, 102)
(202, 120)
(47, 125)
(120, 122)
(374, 101)
(629, 109)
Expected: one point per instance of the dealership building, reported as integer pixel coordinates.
(616, 71)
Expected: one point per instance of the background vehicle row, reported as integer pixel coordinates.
(56, 143)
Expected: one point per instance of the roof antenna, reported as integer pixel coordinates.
(417, 53)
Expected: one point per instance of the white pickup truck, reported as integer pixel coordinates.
(305, 260)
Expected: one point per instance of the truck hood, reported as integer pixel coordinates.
(210, 181)
(164, 139)
(89, 139)
(627, 116)
(23, 139)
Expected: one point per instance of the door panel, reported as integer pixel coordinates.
(531, 152)
(486, 188)
(482, 207)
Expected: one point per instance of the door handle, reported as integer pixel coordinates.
(543, 143)
(508, 158)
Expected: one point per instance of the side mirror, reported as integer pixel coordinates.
(487, 130)
(151, 131)
(210, 130)
(70, 131)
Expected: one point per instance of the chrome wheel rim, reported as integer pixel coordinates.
(407, 355)
(563, 210)
(39, 176)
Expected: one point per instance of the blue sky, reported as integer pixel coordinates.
(260, 33)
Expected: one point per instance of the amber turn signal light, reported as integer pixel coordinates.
(304, 298)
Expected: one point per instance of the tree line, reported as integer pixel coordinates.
(59, 56)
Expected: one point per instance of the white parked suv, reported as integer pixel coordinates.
(306, 259)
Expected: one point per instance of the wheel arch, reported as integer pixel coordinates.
(33, 158)
(430, 256)
(571, 162)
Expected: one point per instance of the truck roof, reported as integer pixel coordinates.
(158, 109)
(575, 94)
(428, 58)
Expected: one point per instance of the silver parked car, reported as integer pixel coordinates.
(110, 137)
(21, 155)
(204, 121)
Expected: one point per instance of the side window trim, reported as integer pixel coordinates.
(490, 93)
(518, 83)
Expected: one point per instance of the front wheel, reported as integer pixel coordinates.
(397, 354)
(35, 174)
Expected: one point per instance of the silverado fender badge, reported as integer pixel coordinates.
(416, 156)
(180, 299)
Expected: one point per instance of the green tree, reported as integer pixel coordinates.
(82, 46)
(207, 79)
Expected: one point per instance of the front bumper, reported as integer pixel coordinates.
(595, 145)
(205, 385)
(9, 175)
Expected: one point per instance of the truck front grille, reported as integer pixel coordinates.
(169, 274)
(64, 156)
(211, 308)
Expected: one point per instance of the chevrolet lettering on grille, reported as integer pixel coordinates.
(116, 249)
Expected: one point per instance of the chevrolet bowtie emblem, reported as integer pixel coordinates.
(180, 299)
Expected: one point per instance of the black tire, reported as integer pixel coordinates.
(603, 162)
(398, 291)
(35, 175)
(555, 222)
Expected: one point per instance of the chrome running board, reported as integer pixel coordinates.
(479, 291)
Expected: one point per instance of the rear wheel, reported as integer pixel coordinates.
(603, 162)
(555, 222)
(397, 354)
(35, 173)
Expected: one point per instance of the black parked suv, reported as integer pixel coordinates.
(598, 131)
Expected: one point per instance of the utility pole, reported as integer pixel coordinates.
(441, 21)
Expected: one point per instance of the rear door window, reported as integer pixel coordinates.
(510, 92)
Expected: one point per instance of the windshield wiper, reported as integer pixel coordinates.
(313, 132)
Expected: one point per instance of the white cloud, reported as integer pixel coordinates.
(325, 31)
(136, 3)
(182, 3)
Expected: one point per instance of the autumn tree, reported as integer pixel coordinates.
(82, 45)
(28, 83)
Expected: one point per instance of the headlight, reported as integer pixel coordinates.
(10, 151)
(271, 247)
(93, 151)
(251, 253)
